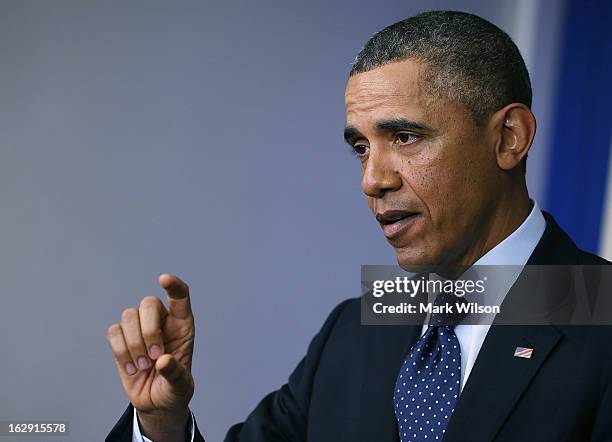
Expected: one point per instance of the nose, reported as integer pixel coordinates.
(379, 174)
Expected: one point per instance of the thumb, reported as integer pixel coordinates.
(178, 296)
(172, 371)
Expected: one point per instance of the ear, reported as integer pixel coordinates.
(516, 127)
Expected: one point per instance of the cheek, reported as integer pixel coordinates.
(430, 175)
(442, 180)
(462, 189)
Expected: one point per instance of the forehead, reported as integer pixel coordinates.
(393, 89)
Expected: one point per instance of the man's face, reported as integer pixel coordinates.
(428, 171)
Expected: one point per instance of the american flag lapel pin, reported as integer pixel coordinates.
(523, 352)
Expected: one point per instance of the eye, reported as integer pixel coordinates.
(360, 149)
(405, 138)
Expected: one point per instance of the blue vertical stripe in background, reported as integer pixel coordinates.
(582, 127)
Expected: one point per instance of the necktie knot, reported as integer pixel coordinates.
(448, 310)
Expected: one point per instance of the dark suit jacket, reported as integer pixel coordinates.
(342, 390)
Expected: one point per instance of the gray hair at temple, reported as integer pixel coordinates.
(467, 59)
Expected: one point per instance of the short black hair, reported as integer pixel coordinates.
(468, 59)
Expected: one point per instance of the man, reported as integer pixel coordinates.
(438, 114)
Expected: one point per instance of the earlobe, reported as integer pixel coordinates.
(516, 135)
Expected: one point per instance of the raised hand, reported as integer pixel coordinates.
(153, 349)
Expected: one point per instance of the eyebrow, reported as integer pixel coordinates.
(351, 134)
(390, 125)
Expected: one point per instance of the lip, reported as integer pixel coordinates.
(395, 223)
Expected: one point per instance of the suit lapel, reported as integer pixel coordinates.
(386, 348)
(498, 379)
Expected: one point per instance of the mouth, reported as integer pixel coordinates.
(396, 222)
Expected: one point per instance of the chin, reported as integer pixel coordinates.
(413, 259)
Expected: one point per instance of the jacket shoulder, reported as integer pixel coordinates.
(587, 258)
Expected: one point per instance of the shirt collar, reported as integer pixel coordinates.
(520, 244)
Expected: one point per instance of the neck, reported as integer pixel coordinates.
(499, 221)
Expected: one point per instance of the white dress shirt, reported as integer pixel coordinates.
(515, 250)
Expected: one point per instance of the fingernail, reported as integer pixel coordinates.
(129, 367)
(143, 363)
(154, 351)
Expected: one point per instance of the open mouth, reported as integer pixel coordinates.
(394, 222)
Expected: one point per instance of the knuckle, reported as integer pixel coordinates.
(122, 354)
(135, 347)
(113, 330)
(150, 303)
(133, 337)
(150, 335)
(129, 314)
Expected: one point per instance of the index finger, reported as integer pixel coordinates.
(179, 305)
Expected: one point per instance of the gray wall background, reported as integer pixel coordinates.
(199, 138)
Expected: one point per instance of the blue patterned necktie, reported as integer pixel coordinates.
(429, 381)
